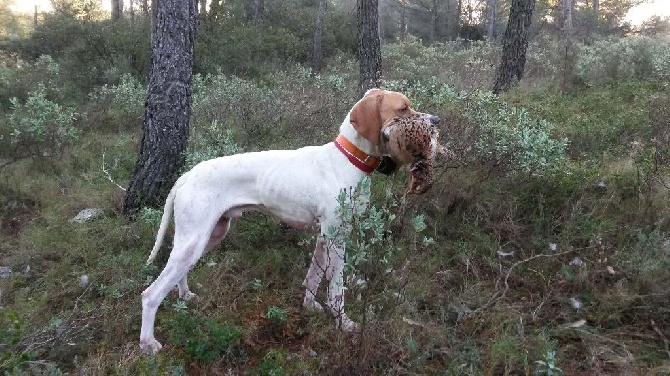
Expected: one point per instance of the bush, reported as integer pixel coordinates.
(204, 340)
(209, 143)
(510, 138)
(375, 246)
(19, 82)
(40, 127)
(245, 50)
(89, 52)
(488, 132)
(263, 115)
(127, 98)
(461, 65)
(609, 61)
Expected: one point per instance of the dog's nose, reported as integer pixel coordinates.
(435, 120)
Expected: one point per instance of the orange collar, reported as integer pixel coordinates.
(356, 156)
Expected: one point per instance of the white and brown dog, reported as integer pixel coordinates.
(300, 187)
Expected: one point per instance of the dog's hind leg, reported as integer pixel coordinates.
(220, 230)
(185, 253)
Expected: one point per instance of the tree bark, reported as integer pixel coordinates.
(369, 45)
(515, 45)
(154, 13)
(168, 108)
(317, 53)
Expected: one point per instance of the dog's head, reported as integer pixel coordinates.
(375, 109)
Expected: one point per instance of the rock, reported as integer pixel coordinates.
(86, 215)
(5, 272)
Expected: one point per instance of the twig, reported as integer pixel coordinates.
(663, 337)
(501, 294)
(109, 176)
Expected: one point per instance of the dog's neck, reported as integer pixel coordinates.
(347, 130)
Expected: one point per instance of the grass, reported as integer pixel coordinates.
(491, 297)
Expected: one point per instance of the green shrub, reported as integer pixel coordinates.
(40, 127)
(204, 340)
(18, 82)
(90, 52)
(463, 66)
(609, 61)
(276, 315)
(262, 115)
(271, 364)
(11, 331)
(511, 138)
(127, 97)
(369, 233)
(494, 133)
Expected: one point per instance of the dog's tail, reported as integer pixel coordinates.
(167, 214)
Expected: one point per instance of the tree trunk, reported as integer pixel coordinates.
(490, 19)
(145, 8)
(403, 19)
(317, 53)
(260, 11)
(168, 108)
(154, 13)
(433, 20)
(568, 60)
(515, 44)
(567, 12)
(459, 13)
(131, 11)
(35, 17)
(202, 11)
(369, 48)
(115, 10)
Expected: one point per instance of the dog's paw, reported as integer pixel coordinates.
(150, 346)
(186, 296)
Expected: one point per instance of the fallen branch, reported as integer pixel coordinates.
(109, 176)
(499, 294)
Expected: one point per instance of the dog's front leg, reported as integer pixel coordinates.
(335, 275)
(314, 275)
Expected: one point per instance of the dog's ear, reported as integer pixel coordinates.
(365, 116)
